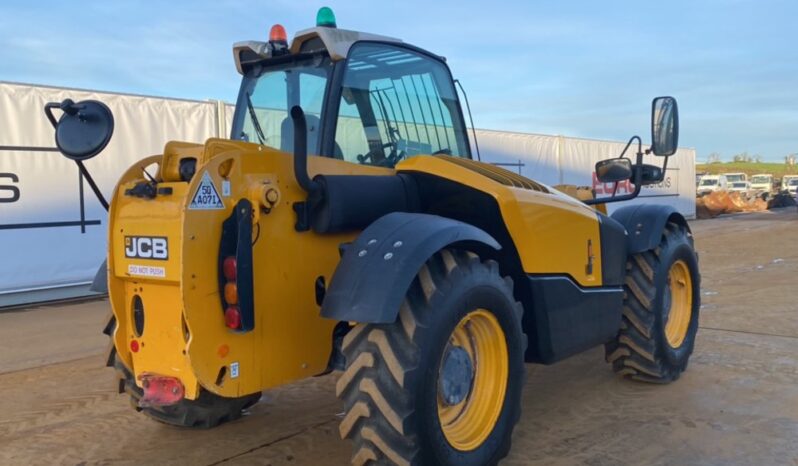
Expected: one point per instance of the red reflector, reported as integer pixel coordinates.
(277, 34)
(160, 390)
(232, 317)
(134, 346)
(229, 267)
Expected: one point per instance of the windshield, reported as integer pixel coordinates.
(760, 179)
(739, 185)
(709, 182)
(794, 182)
(267, 94)
(397, 103)
(736, 177)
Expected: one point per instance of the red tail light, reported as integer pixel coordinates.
(232, 318)
(230, 267)
(160, 390)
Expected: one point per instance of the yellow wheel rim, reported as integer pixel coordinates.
(681, 303)
(468, 422)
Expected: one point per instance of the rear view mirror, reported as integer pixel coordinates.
(613, 170)
(649, 174)
(84, 129)
(664, 126)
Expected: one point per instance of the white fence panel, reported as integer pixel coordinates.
(53, 235)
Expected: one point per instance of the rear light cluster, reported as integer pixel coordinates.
(236, 281)
(232, 313)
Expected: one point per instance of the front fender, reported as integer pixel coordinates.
(376, 270)
(645, 223)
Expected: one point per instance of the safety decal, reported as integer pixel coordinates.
(226, 188)
(206, 198)
(234, 370)
(146, 271)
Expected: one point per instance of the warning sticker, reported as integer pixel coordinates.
(146, 271)
(207, 197)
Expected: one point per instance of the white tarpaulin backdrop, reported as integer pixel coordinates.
(35, 253)
(49, 242)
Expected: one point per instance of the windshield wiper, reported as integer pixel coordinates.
(255, 122)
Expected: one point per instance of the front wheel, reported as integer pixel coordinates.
(442, 384)
(660, 311)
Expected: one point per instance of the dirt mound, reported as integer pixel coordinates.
(722, 202)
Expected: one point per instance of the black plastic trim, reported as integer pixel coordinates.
(569, 319)
(613, 251)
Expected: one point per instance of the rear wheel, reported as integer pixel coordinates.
(660, 313)
(208, 410)
(442, 384)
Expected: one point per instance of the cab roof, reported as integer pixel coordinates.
(336, 42)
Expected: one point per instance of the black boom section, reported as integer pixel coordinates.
(376, 270)
(569, 319)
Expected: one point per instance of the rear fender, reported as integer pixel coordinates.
(376, 270)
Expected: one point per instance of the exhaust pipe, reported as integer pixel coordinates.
(301, 151)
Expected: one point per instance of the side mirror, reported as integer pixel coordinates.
(83, 130)
(649, 174)
(613, 170)
(664, 126)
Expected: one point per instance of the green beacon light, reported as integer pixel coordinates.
(325, 17)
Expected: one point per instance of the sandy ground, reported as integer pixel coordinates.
(736, 404)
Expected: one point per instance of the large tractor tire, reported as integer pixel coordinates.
(441, 385)
(660, 311)
(208, 410)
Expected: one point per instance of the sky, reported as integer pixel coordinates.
(579, 68)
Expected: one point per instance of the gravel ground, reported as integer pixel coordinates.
(736, 404)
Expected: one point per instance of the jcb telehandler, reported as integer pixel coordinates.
(427, 277)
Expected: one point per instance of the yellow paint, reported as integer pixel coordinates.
(550, 230)
(681, 303)
(467, 424)
(184, 320)
(290, 340)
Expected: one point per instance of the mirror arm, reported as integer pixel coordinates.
(637, 181)
(48, 110)
(93, 185)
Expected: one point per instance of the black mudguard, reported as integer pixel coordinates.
(100, 282)
(645, 223)
(376, 270)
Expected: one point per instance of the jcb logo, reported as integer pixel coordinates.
(147, 247)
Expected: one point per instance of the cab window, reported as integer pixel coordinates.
(396, 103)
